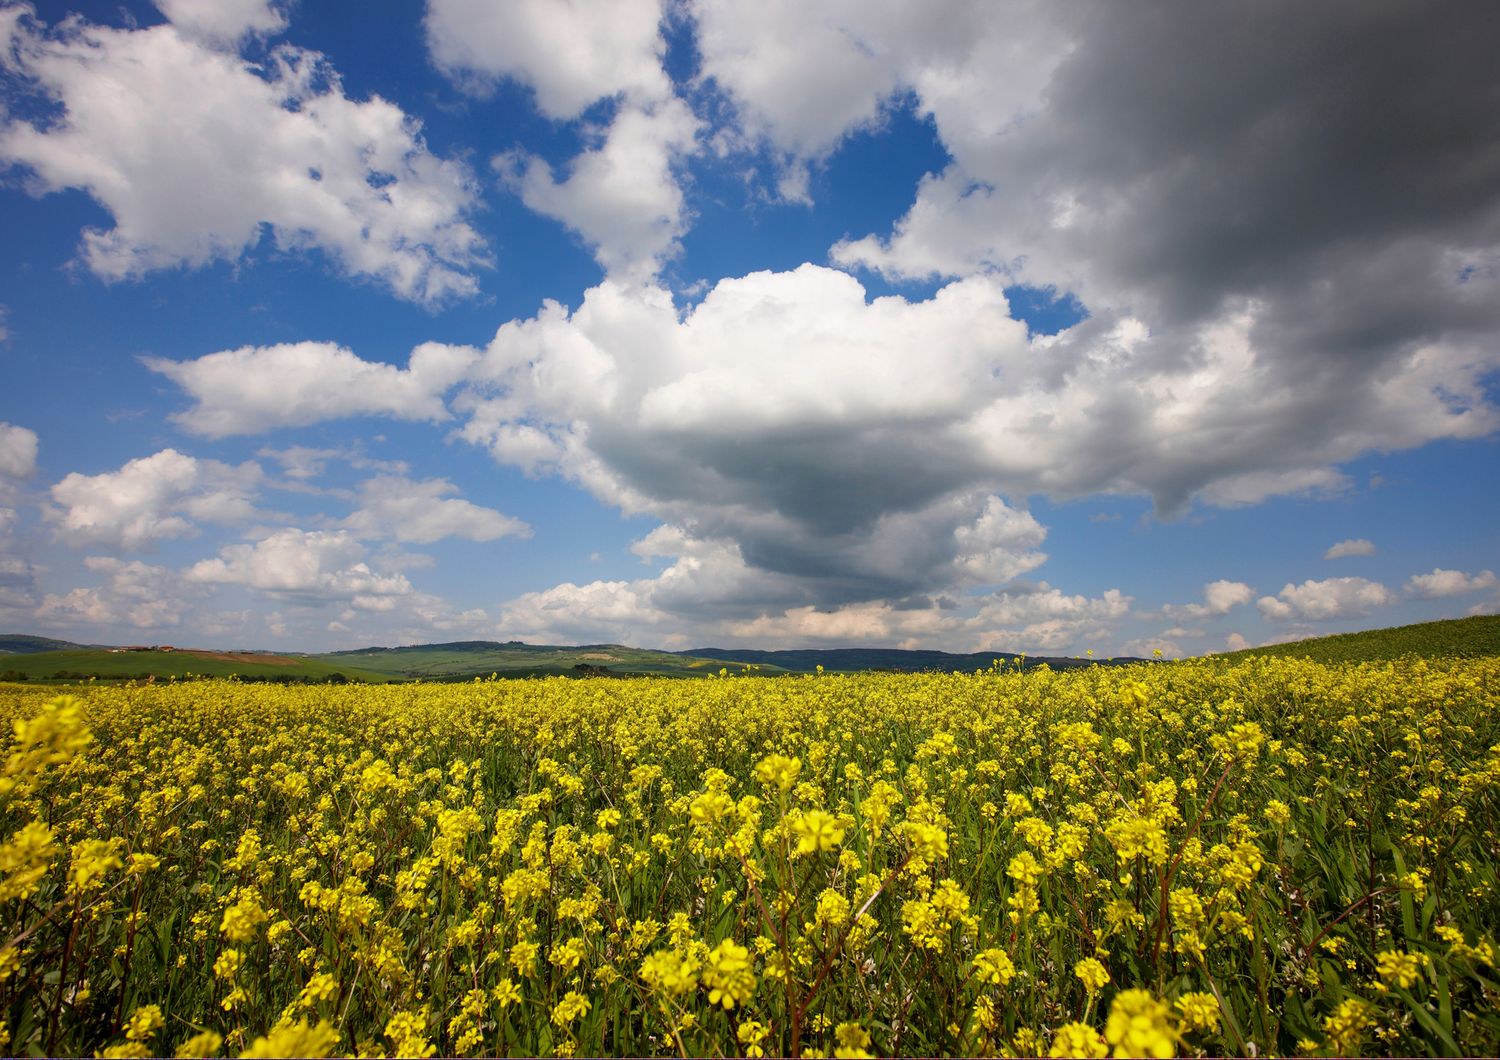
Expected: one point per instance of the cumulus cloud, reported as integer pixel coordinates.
(1441, 583)
(301, 464)
(1219, 598)
(133, 593)
(18, 449)
(623, 195)
(1357, 546)
(1040, 617)
(1329, 598)
(152, 498)
(194, 151)
(311, 567)
(260, 388)
(223, 23)
(866, 477)
(709, 594)
(1281, 234)
(422, 512)
(571, 54)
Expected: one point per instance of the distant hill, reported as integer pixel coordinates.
(1454, 638)
(24, 644)
(467, 659)
(848, 660)
(462, 660)
(79, 663)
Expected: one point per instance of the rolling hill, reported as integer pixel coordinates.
(82, 663)
(850, 660)
(461, 660)
(29, 658)
(1452, 638)
(25, 644)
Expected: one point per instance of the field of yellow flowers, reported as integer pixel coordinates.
(1266, 857)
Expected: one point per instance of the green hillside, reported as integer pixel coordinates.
(25, 644)
(1454, 638)
(468, 659)
(82, 663)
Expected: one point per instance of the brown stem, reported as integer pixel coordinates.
(1166, 878)
(1344, 915)
(832, 954)
(135, 910)
(62, 979)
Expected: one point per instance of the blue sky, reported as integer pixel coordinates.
(690, 322)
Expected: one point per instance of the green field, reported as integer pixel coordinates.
(82, 663)
(1460, 638)
(468, 659)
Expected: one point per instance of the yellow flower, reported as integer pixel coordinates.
(994, 967)
(92, 859)
(506, 994)
(1199, 1011)
(297, 1039)
(817, 830)
(1078, 1039)
(728, 975)
(778, 771)
(1402, 969)
(408, 1034)
(1346, 1025)
(1140, 1025)
(571, 1008)
(242, 919)
(670, 971)
(143, 1023)
(1092, 973)
(24, 859)
(202, 1044)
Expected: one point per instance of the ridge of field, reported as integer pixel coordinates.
(856, 660)
(1455, 638)
(26, 644)
(460, 660)
(81, 663)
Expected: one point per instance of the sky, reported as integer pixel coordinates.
(680, 323)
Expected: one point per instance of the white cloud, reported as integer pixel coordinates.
(135, 594)
(1108, 158)
(1357, 546)
(223, 23)
(421, 512)
(301, 464)
(18, 449)
(152, 498)
(1219, 598)
(1330, 598)
(708, 595)
(1163, 645)
(622, 196)
(304, 566)
(18, 589)
(260, 388)
(194, 150)
(803, 77)
(571, 53)
(1041, 618)
(1236, 642)
(1441, 583)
